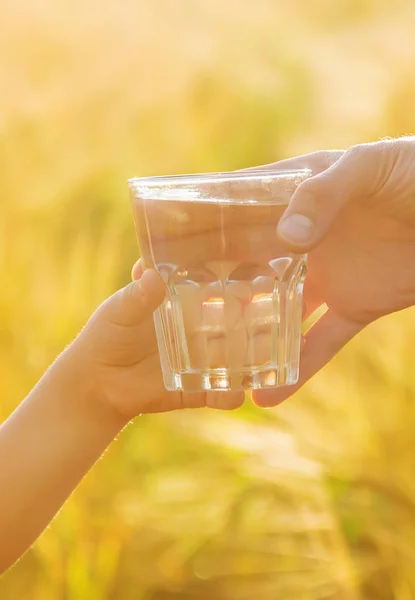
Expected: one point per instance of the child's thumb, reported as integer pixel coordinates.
(136, 301)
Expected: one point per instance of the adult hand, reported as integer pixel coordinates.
(356, 218)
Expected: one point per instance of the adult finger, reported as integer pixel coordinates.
(317, 202)
(317, 162)
(322, 342)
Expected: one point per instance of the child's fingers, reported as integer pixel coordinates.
(225, 400)
(219, 400)
(137, 270)
(135, 302)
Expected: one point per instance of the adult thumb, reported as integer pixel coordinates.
(136, 301)
(318, 201)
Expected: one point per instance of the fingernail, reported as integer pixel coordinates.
(296, 228)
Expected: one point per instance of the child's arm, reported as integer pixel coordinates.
(108, 375)
(46, 446)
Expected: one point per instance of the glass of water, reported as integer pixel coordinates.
(231, 318)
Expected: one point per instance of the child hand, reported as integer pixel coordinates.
(107, 376)
(117, 354)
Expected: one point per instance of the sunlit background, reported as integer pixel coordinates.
(314, 500)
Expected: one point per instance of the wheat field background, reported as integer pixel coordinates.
(314, 500)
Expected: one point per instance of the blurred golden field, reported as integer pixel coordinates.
(314, 500)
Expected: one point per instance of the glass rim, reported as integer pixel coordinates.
(200, 178)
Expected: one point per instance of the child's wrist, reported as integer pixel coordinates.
(81, 389)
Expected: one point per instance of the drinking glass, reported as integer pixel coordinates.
(231, 317)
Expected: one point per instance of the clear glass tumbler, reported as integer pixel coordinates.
(231, 318)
